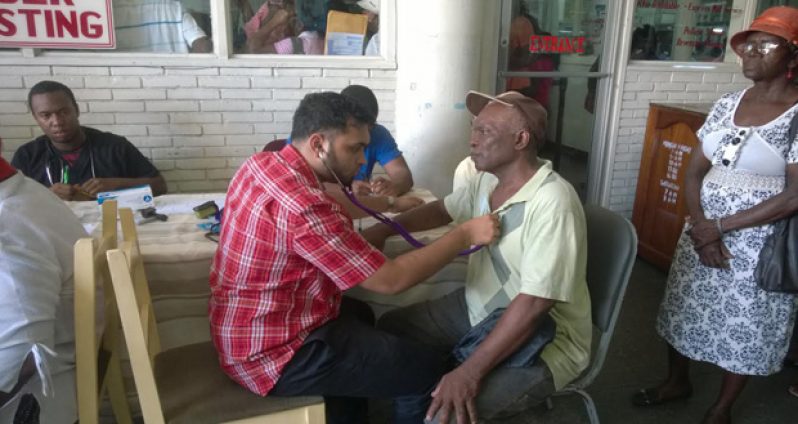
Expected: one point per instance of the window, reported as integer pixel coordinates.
(682, 30)
(765, 4)
(162, 26)
(252, 27)
(304, 27)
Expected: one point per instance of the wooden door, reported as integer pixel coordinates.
(660, 208)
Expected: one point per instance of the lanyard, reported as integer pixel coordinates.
(65, 169)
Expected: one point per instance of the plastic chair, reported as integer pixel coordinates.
(97, 360)
(185, 384)
(612, 247)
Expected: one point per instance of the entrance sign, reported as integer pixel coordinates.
(64, 24)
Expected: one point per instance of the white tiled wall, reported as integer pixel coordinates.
(197, 125)
(643, 86)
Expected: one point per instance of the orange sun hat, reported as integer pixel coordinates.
(781, 21)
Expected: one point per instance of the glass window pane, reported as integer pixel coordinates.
(303, 27)
(765, 4)
(550, 36)
(681, 30)
(563, 38)
(162, 26)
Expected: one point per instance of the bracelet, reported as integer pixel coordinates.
(719, 225)
(391, 202)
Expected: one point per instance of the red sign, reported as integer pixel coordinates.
(556, 45)
(65, 24)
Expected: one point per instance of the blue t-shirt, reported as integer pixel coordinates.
(382, 149)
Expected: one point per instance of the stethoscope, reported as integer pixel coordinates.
(402, 231)
(49, 173)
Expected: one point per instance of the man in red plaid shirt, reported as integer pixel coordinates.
(286, 252)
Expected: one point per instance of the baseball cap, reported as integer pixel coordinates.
(372, 6)
(781, 21)
(533, 112)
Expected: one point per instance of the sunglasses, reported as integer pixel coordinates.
(762, 47)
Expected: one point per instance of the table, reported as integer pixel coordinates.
(177, 258)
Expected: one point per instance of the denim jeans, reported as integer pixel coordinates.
(347, 361)
(440, 324)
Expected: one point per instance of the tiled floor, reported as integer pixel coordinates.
(637, 359)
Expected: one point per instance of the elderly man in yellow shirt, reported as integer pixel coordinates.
(535, 273)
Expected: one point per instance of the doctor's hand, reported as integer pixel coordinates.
(483, 230)
(455, 395)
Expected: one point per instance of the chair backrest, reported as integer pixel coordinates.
(138, 318)
(274, 145)
(141, 336)
(611, 251)
(97, 360)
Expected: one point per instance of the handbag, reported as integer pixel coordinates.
(777, 270)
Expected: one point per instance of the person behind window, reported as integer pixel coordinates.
(644, 43)
(533, 278)
(78, 162)
(275, 20)
(306, 18)
(742, 179)
(287, 251)
(161, 26)
(522, 28)
(371, 8)
(37, 341)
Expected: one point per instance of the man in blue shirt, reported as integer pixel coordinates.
(380, 194)
(382, 149)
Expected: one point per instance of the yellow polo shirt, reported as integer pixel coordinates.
(542, 252)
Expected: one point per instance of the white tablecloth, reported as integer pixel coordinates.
(177, 258)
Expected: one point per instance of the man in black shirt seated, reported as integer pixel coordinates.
(78, 162)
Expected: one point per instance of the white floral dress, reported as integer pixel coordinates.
(721, 316)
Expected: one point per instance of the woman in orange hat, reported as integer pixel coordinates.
(744, 178)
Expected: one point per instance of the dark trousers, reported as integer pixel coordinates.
(440, 324)
(347, 361)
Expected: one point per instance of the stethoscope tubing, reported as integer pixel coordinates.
(402, 231)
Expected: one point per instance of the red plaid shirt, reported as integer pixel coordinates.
(286, 251)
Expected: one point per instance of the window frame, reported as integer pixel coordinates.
(736, 23)
(222, 55)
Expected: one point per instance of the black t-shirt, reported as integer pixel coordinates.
(103, 155)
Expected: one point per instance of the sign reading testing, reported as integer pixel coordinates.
(64, 24)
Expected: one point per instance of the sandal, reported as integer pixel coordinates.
(648, 397)
(793, 390)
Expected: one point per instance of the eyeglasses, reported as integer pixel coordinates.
(762, 47)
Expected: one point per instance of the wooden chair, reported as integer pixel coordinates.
(97, 360)
(185, 384)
